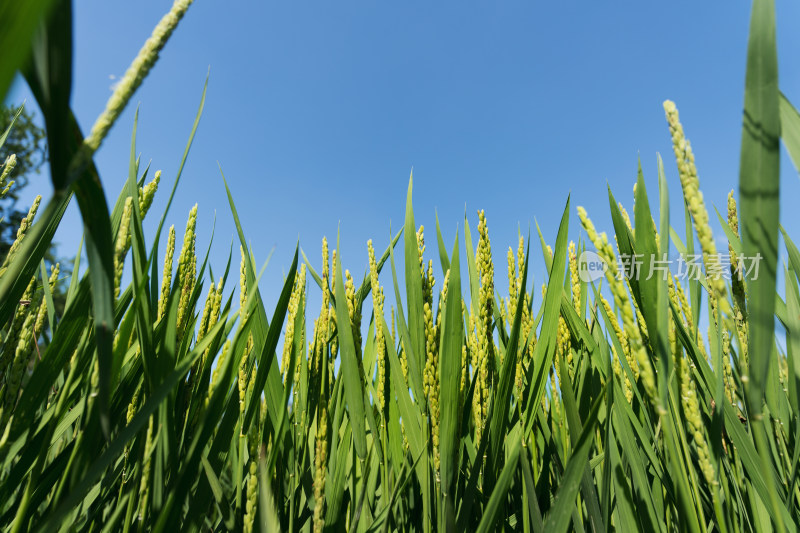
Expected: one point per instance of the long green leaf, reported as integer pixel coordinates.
(558, 518)
(759, 188)
(354, 387)
(450, 397)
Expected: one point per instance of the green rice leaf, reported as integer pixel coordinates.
(559, 516)
(450, 397)
(416, 326)
(545, 347)
(354, 387)
(790, 129)
(503, 485)
(759, 187)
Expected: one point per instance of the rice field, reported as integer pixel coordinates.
(640, 395)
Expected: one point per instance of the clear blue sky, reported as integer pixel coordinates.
(317, 112)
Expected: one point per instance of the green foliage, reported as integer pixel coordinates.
(156, 410)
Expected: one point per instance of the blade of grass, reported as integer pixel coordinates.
(790, 130)
(759, 189)
(450, 383)
(354, 391)
(559, 516)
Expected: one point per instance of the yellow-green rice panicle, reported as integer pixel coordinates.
(187, 270)
(352, 306)
(673, 295)
(145, 200)
(523, 298)
(574, 278)
(738, 290)
(147, 193)
(694, 421)
(216, 308)
(656, 234)
(674, 345)
(380, 334)
(431, 374)
(515, 289)
(288, 336)
(486, 272)
(427, 296)
(686, 309)
(321, 457)
(136, 73)
(527, 327)
(512, 273)
(694, 199)
(625, 215)
(8, 166)
(244, 362)
(325, 274)
(430, 347)
(121, 245)
(294, 305)
(421, 250)
(326, 288)
(205, 317)
(621, 375)
(733, 224)
(316, 349)
(439, 306)
(484, 344)
(166, 276)
(354, 309)
(563, 347)
(207, 321)
(133, 405)
(144, 484)
(22, 355)
(24, 225)
(320, 470)
(430, 281)
(639, 317)
(334, 344)
(403, 354)
(626, 308)
(524, 353)
(321, 324)
(621, 336)
(252, 483)
(14, 330)
(730, 390)
(55, 270)
(300, 280)
(512, 287)
(333, 269)
(475, 360)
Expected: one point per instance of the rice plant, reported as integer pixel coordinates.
(635, 397)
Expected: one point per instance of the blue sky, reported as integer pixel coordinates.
(318, 111)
